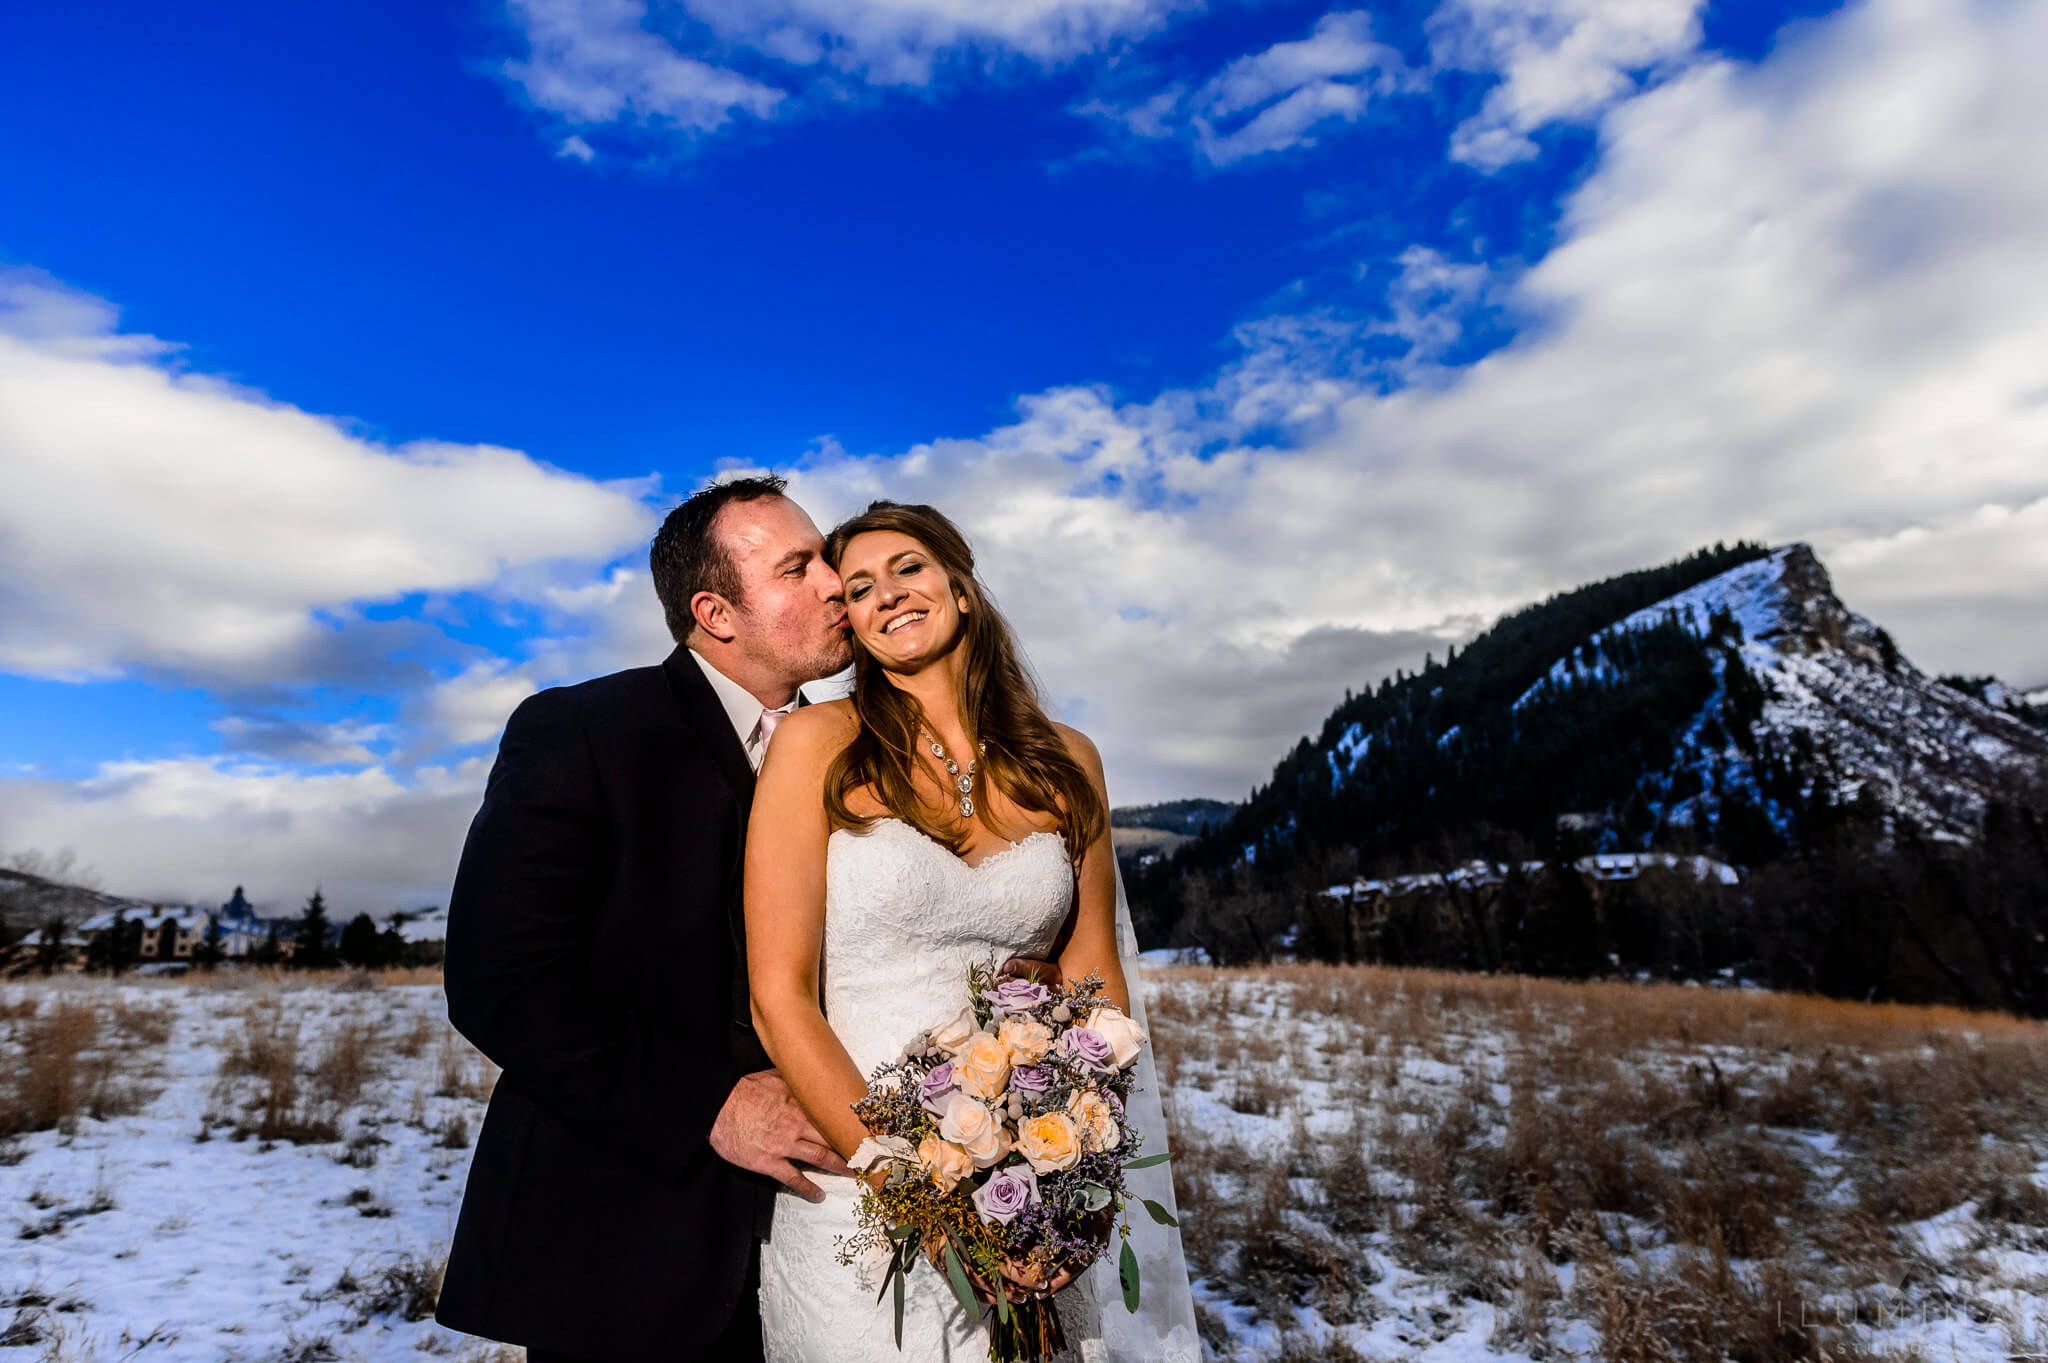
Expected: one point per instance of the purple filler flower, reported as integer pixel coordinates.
(1006, 1194)
(1030, 1081)
(1088, 1046)
(1016, 996)
(937, 1085)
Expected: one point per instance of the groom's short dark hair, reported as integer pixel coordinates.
(688, 557)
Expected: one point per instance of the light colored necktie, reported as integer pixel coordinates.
(766, 731)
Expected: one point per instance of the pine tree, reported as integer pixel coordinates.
(360, 944)
(209, 953)
(309, 936)
(270, 950)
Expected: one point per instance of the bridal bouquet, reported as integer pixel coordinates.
(1001, 1132)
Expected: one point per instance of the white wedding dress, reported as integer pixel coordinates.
(904, 919)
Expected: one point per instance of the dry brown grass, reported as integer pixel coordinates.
(464, 1072)
(285, 1098)
(1740, 1147)
(75, 1056)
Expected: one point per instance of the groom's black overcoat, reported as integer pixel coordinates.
(595, 954)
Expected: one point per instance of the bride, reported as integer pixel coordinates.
(934, 820)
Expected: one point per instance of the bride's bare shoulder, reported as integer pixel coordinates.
(818, 730)
(1082, 749)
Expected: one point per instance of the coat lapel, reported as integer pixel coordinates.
(706, 717)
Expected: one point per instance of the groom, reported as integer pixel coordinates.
(595, 955)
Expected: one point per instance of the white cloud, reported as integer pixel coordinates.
(193, 828)
(1557, 60)
(472, 706)
(288, 740)
(699, 65)
(1805, 299)
(165, 521)
(1275, 99)
(596, 62)
(1802, 299)
(575, 148)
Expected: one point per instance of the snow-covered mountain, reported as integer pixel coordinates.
(1727, 702)
(1832, 683)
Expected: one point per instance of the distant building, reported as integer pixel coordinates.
(1603, 868)
(178, 932)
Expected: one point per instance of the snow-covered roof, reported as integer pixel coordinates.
(1603, 866)
(424, 925)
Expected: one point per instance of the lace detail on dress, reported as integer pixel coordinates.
(904, 918)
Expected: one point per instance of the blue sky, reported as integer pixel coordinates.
(346, 363)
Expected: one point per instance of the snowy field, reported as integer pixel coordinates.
(1374, 1164)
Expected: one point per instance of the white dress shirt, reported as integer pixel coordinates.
(742, 709)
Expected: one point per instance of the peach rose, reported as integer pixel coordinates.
(944, 1161)
(952, 1035)
(1096, 1120)
(1049, 1142)
(982, 1069)
(1125, 1037)
(1026, 1039)
(974, 1129)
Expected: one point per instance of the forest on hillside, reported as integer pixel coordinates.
(1483, 757)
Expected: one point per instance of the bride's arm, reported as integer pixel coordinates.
(785, 908)
(1091, 947)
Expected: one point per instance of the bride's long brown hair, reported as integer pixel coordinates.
(999, 705)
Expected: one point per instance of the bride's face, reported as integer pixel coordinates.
(899, 600)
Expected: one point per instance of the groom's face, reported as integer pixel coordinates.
(792, 610)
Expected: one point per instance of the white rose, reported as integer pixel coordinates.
(974, 1129)
(1124, 1036)
(952, 1035)
(876, 1149)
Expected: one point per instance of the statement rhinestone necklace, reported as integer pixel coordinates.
(962, 781)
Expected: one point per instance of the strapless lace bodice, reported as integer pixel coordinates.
(904, 919)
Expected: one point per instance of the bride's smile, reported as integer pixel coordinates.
(902, 605)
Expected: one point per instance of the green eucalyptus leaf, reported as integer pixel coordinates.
(895, 1269)
(1148, 1161)
(1127, 1273)
(1094, 1196)
(956, 1273)
(899, 1313)
(1159, 1213)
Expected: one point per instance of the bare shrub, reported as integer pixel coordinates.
(61, 1067)
(1695, 1307)
(415, 1038)
(267, 1051)
(346, 1063)
(463, 1070)
(51, 1083)
(141, 1026)
(1730, 1191)
(403, 1285)
(1257, 1092)
(1285, 1260)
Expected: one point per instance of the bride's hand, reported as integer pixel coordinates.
(1030, 1284)
(1020, 1284)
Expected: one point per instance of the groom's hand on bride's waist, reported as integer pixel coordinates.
(1046, 973)
(761, 1128)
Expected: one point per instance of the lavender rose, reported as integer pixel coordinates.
(1089, 1047)
(937, 1085)
(1016, 996)
(1006, 1194)
(1030, 1081)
